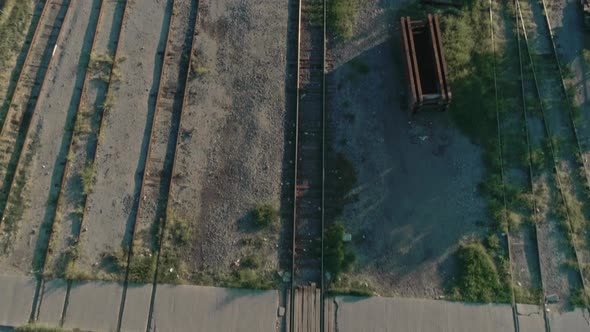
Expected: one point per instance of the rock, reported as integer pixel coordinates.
(552, 298)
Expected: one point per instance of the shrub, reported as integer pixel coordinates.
(265, 215)
(478, 279)
(338, 258)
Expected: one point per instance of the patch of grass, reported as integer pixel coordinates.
(108, 103)
(100, 65)
(198, 67)
(265, 215)
(14, 20)
(177, 235)
(87, 177)
(338, 257)
(478, 279)
(40, 328)
(342, 16)
(344, 286)
(580, 299)
(141, 268)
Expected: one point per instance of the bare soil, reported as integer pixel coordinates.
(231, 145)
(416, 196)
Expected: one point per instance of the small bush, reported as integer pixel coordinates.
(342, 16)
(338, 258)
(87, 177)
(39, 328)
(265, 215)
(478, 279)
(141, 268)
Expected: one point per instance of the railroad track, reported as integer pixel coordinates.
(14, 134)
(501, 158)
(550, 143)
(110, 86)
(77, 119)
(307, 270)
(172, 99)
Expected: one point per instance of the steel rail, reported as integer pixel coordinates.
(297, 155)
(295, 165)
(502, 173)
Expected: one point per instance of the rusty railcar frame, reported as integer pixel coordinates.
(418, 98)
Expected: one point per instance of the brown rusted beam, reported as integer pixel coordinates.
(437, 63)
(412, 90)
(441, 52)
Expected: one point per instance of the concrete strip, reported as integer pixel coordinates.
(530, 318)
(17, 294)
(195, 308)
(94, 306)
(403, 314)
(137, 307)
(52, 302)
(577, 320)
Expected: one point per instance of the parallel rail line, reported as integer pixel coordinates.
(24, 101)
(41, 283)
(309, 162)
(101, 126)
(551, 148)
(77, 118)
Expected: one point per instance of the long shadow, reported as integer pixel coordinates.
(20, 59)
(30, 106)
(59, 164)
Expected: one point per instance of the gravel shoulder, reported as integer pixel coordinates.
(231, 145)
(123, 140)
(41, 173)
(416, 194)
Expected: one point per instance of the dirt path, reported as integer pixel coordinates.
(231, 143)
(68, 216)
(122, 141)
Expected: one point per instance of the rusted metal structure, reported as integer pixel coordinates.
(425, 65)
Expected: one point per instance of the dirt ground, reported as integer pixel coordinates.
(123, 140)
(416, 194)
(231, 145)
